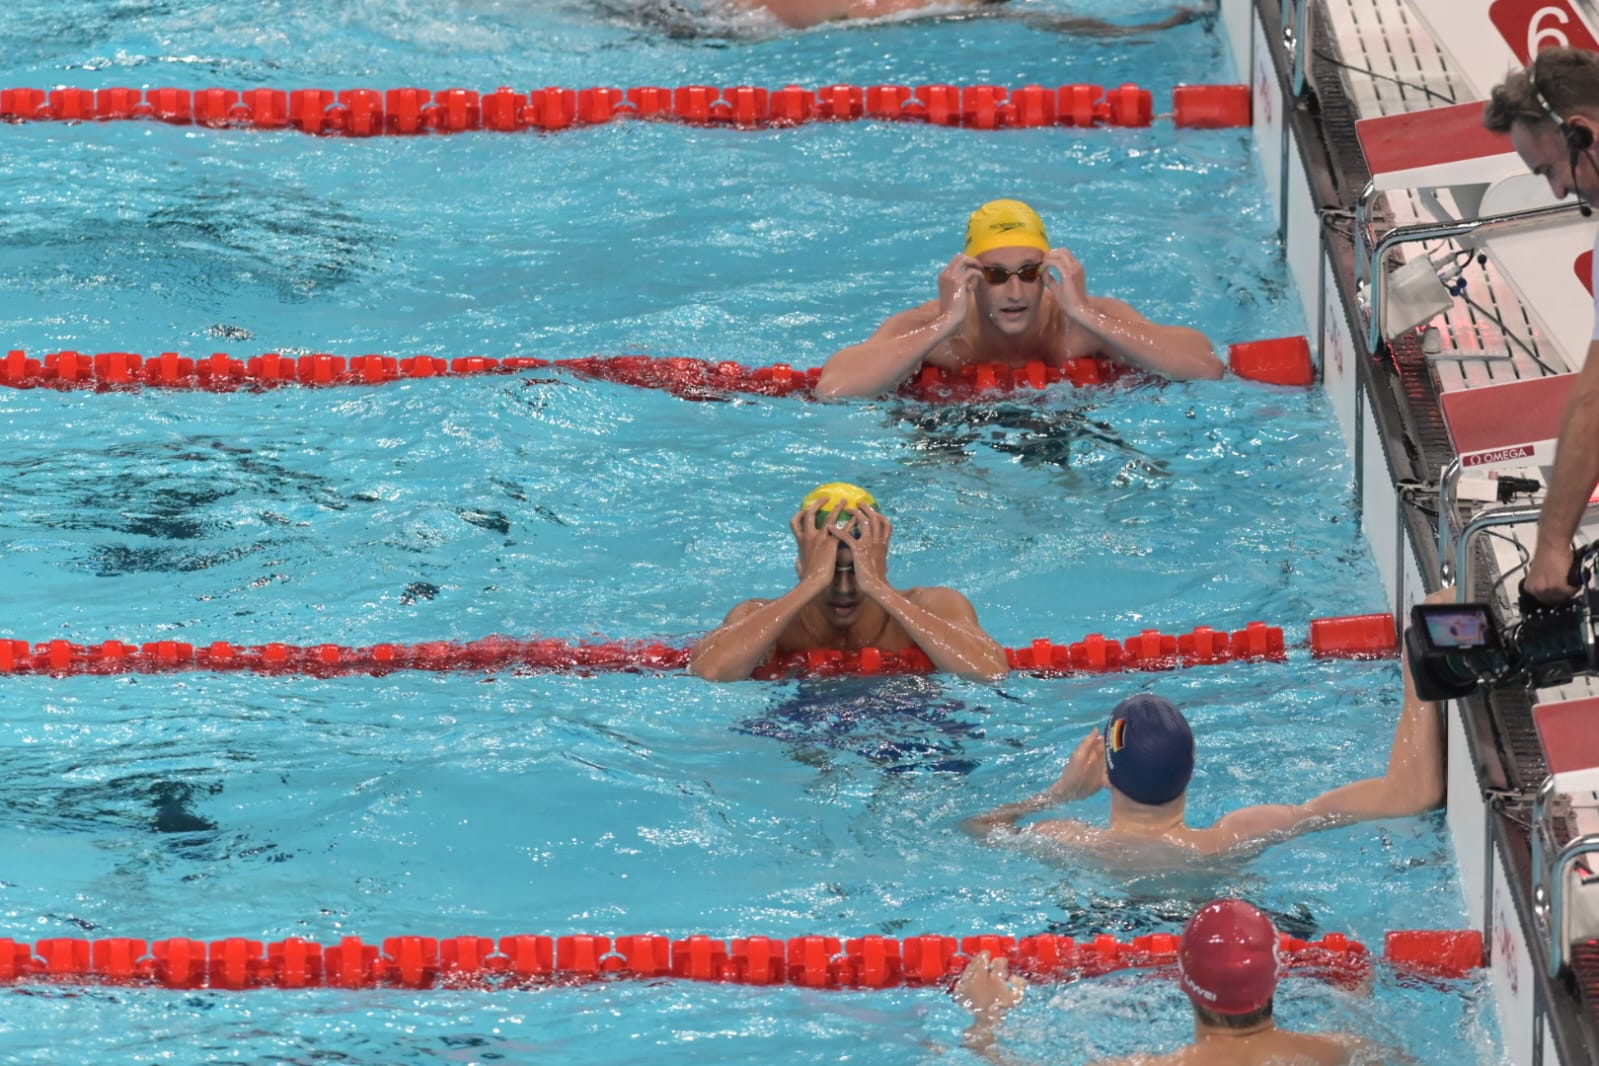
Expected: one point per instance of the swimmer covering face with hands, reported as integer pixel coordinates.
(1010, 298)
(843, 601)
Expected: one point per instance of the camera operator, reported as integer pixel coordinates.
(1551, 111)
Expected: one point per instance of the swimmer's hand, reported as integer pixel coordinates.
(955, 286)
(1066, 280)
(867, 534)
(986, 986)
(818, 550)
(1084, 774)
(987, 989)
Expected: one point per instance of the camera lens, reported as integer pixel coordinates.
(1439, 675)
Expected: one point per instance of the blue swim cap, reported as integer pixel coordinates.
(1149, 749)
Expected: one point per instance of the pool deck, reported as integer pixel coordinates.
(1406, 407)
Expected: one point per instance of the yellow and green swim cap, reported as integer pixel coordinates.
(1005, 224)
(835, 496)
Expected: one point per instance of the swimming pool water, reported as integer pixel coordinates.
(541, 504)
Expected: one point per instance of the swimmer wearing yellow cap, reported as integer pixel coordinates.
(1009, 297)
(843, 601)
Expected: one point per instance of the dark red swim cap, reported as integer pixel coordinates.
(1228, 959)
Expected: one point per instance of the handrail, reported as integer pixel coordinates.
(1549, 878)
(1296, 41)
(1511, 222)
(1446, 509)
(1495, 516)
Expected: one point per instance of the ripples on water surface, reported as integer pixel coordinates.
(540, 504)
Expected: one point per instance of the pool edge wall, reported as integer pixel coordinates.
(1388, 417)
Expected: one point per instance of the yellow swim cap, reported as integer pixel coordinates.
(1005, 224)
(835, 495)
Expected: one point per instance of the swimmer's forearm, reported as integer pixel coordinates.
(734, 649)
(1007, 817)
(965, 651)
(878, 365)
(1416, 778)
(1176, 352)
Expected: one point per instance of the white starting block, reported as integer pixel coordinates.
(1487, 38)
(1505, 430)
(1494, 207)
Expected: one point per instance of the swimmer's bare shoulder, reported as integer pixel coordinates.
(918, 317)
(1281, 1048)
(744, 610)
(1238, 834)
(1125, 852)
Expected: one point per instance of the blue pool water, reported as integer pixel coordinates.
(212, 805)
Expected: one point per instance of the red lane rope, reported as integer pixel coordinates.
(1284, 361)
(1357, 636)
(238, 963)
(690, 378)
(409, 111)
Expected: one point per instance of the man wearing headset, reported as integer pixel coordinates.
(1010, 297)
(1551, 111)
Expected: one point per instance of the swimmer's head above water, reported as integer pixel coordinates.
(1149, 750)
(1004, 224)
(1228, 961)
(839, 501)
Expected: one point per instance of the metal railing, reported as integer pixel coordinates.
(1550, 873)
(1482, 520)
(1296, 43)
(1369, 260)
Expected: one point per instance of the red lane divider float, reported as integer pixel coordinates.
(411, 111)
(1363, 636)
(238, 963)
(1284, 361)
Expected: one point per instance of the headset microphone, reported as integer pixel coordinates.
(1576, 157)
(1579, 139)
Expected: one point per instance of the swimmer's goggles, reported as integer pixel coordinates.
(1027, 273)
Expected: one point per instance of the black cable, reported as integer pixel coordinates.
(1521, 550)
(1456, 287)
(1382, 77)
(1548, 370)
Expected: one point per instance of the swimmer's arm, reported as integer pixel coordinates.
(1092, 27)
(1177, 352)
(987, 989)
(1416, 764)
(1413, 783)
(943, 623)
(879, 363)
(1083, 776)
(798, 14)
(733, 650)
